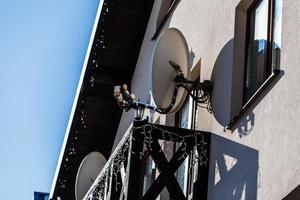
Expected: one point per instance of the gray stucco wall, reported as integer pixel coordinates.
(262, 152)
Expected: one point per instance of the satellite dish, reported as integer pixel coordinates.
(88, 171)
(173, 47)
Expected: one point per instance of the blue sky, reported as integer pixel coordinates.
(42, 48)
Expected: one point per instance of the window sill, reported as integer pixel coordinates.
(253, 99)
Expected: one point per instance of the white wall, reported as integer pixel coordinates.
(264, 147)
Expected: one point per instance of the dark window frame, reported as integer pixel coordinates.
(238, 106)
(269, 43)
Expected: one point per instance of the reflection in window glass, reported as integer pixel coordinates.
(277, 35)
(184, 118)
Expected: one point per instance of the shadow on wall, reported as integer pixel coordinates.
(192, 57)
(245, 125)
(221, 77)
(233, 170)
(222, 92)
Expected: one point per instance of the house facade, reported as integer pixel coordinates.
(249, 50)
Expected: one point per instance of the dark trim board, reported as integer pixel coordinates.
(293, 195)
(113, 57)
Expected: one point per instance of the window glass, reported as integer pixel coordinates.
(149, 174)
(277, 35)
(187, 172)
(183, 123)
(257, 70)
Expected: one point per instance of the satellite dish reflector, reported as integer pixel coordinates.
(171, 46)
(88, 171)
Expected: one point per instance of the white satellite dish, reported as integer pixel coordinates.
(88, 171)
(171, 46)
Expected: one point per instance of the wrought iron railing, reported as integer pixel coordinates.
(122, 177)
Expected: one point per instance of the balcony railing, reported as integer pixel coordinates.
(123, 177)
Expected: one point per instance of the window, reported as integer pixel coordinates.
(187, 173)
(182, 121)
(263, 44)
(256, 60)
